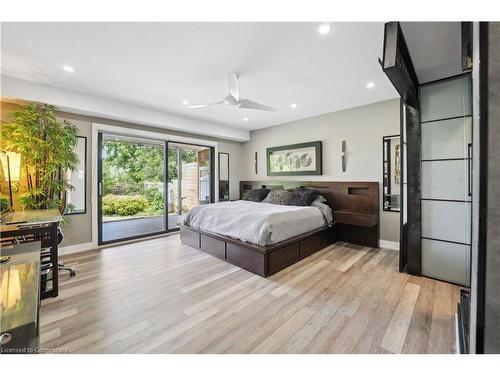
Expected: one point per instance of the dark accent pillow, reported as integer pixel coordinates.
(256, 195)
(278, 196)
(302, 197)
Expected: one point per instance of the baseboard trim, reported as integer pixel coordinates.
(78, 248)
(81, 247)
(391, 245)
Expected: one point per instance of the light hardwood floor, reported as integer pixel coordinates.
(160, 296)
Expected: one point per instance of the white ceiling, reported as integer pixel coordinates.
(157, 65)
(435, 48)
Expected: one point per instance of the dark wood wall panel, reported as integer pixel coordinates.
(355, 206)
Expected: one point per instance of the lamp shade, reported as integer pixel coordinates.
(11, 160)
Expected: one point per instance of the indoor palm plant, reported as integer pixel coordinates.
(46, 145)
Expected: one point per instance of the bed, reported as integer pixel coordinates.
(266, 238)
(257, 223)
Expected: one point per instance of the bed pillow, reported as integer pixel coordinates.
(278, 196)
(256, 195)
(319, 199)
(320, 203)
(302, 197)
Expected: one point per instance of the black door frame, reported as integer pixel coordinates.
(212, 175)
(398, 66)
(165, 190)
(99, 196)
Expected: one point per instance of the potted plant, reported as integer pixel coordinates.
(47, 147)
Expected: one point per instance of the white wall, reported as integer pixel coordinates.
(362, 128)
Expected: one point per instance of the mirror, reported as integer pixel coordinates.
(223, 176)
(391, 173)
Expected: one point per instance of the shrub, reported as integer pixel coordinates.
(155, 199)
(123, 205)
(4, 203)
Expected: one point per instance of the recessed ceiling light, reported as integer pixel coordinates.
(293, 106)
(185, 102)
(68, 68)
(245, 118)
(370, 85)
(324, 29)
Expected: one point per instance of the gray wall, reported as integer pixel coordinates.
(492, 292)
(362, 128)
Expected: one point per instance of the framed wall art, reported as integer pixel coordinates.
(301, 159)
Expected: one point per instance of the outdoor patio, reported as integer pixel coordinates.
(117, 229)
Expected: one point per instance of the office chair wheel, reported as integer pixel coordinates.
(72, 272)
(62, 267)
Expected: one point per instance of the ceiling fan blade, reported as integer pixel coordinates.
(245, 103)
(232, 85)
(203, 105)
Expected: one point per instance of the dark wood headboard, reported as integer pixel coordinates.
(340, 195)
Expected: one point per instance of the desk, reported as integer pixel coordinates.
(36, 225)
(19, 298)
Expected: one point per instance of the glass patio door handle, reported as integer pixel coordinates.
(469, 169)
(100, 188)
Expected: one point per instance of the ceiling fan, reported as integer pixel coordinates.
(233, 97)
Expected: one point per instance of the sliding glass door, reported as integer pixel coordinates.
(145, 187)
(132, 178)
(190, 179)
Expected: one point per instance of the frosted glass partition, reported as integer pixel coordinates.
(446, 221)
(446, 139)
(445, 109)
(445, 180)
(456, 257)
(445, 99)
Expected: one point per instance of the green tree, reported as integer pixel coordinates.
(46, 145)
(126, 166)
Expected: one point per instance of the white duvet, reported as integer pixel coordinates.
(258, 223)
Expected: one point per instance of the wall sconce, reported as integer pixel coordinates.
(11, 166)
(255, 162)
(343, 154)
